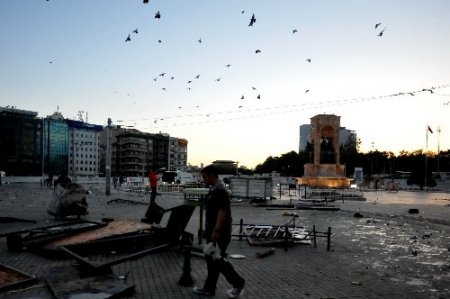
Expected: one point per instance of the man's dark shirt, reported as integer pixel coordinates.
(218, 199)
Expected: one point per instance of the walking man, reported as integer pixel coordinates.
(218, 231)
(153, 179)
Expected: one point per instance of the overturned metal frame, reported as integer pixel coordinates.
(26, 281)
(161, 237)
(32, 238)
(267, 234)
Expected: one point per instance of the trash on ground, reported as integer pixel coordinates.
(237, 256)
(68, 200)
(265, 252)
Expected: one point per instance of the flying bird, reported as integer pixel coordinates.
(135, 31)
(254, 88)
(158, 15)
(159, 41)
(228, 65)
(179, 107)
(242, 97)
(198, 76)
(218, 79)
(446, 104)
(259, 97)
(376, 25)
(258, 51)
(382, 31)
(294, 31)
(430, 90)
(308, 60)
(162, 74)
(154, 79)
(128, 38)
(189, 81)
(411, 94)
(240, 107)
(307, 91)
(243, 11)
(252, 20)
(50, 62)
(171, 78)
(200, 41)
(163, 88)
(145, 1)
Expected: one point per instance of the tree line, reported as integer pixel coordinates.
(373, 163)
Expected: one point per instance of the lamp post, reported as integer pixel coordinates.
(108, 159)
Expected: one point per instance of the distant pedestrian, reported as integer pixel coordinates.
(115, 179)
(153, 181)
(218, 232)
(120, 181)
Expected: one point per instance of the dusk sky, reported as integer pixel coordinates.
(73, 55)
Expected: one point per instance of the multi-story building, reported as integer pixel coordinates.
(177, 154)
(345, 136)
(132, 154)
(56, 145)
(20, 142)
(84, 148)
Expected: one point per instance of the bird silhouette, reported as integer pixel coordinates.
(382, 31)
(240, 107)
(447, 103)
(135, 31)
(171, 78)
(308, 60)
(158, 15)
(188, 88)
(189, 81)
(243, 11)
(145, 1)
(50, 62)
(159, 41)
(200, 40)
(258, 51)
(228, 65)
(128, 38)
(162, 74)
(307, 91)
(179, 107)
(242, 97)
(376, 25)
(163, 88)
(198, 76)
(254, 88)
(294, 31)
(154, 79)
(411, 94)
(259, 97)
(252, 20)
(427, 89)
(218, 79)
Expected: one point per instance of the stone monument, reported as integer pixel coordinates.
(324, 169)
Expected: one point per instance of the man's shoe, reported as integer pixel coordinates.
(202, 291)
(235, 292)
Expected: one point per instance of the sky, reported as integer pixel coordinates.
(72, 56)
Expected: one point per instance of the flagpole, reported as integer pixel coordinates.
(426, 149)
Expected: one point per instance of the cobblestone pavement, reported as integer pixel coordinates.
(386, 254)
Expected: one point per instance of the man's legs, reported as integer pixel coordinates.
(213, 274)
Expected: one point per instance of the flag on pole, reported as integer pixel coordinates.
(429, 130)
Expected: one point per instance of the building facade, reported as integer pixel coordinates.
(56, 145)
(177, 154)
(84, 148)
(20, 142)
(132, 154)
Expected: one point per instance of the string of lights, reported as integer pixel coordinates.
(239, 114)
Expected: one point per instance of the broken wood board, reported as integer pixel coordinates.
(11, 278)
(116, 227)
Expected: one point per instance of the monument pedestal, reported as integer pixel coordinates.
(324, 176)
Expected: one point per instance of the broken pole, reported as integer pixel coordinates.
(329, 239)
(241, 224)
(286, 231)
(314, 234)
